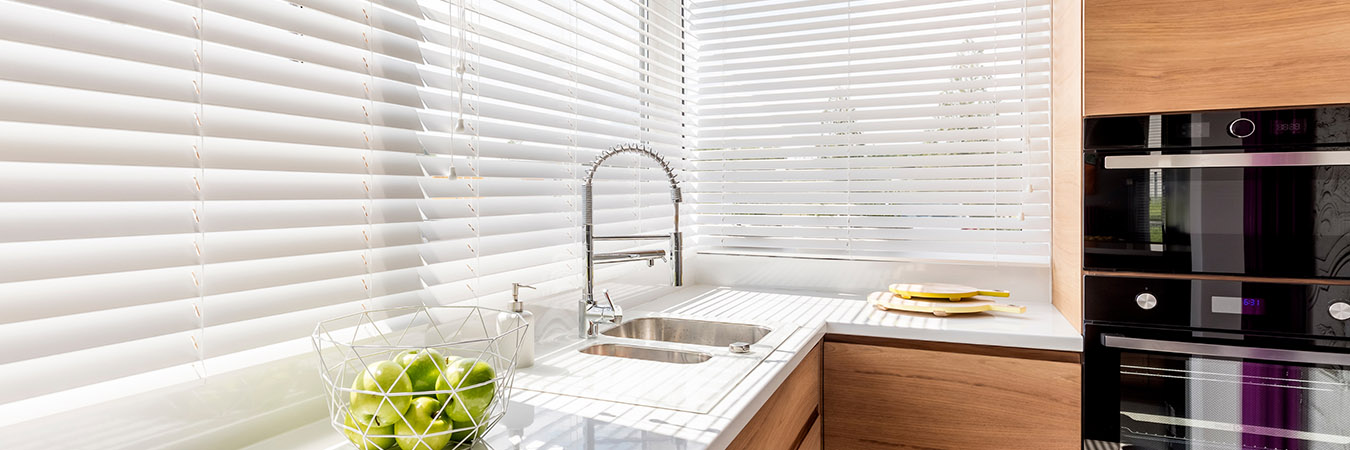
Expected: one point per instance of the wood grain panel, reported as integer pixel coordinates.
(812, 440)
(1145, 56)
(784, 422)
(887, 398)
(1066, 159)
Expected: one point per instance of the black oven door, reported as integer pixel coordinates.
(1260, 212)
(1156, 389)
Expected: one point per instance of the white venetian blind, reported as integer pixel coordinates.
(188, 186)
(874, 129)
(547, 85)
(185, 182)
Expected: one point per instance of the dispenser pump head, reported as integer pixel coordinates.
(516, 304)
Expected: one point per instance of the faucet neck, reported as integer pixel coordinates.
(637, 149)
(588, 308)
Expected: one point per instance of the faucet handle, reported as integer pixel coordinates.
(600, 313)
(615, 313)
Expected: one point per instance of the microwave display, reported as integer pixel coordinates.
(1194, 130)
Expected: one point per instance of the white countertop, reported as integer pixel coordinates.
(536, 420)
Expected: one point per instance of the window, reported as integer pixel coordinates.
(188, 187)
(876, 130)
(548, 86)
(185, 185)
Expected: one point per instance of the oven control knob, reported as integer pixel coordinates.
(1241, 128)
(1148, 301)
(1340, 310)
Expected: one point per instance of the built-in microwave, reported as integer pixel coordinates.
(1250, 193)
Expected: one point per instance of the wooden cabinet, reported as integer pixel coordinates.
(813, 437)
(887, 394)
(1066, 159)
(790, 419)
(1145, 56)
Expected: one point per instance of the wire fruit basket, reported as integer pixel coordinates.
(418, 377)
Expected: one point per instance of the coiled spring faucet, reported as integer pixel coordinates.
(591, 313)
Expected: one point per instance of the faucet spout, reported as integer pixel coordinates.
(587, 327)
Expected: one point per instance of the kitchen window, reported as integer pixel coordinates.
(547, 87)
(190, 186)
(874, 130)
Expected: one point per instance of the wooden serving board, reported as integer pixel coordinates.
(887, 301)
(953, 292)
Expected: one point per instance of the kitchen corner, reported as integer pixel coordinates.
(545, 420)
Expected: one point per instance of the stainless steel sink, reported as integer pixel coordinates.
(647, 353)
(687, 331)
(659, 360)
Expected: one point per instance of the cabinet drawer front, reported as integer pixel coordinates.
(885, 397)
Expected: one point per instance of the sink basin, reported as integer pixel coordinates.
(687, 331)
(658, 360)
(647, 353)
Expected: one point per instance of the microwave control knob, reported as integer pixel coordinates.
(1148, 301)
(1340, 310)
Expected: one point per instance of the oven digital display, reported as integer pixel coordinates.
(1237, 305)
(1293, 126)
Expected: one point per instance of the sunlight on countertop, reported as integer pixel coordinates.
(540, 420)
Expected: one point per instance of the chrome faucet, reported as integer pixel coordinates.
(591, 313)
(597, 314)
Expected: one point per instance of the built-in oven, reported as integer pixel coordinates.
(1215, 364)
(1216, 292)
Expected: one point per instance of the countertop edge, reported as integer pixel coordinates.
(748, 410)
(995, 339)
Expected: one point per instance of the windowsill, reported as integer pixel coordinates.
(766, 253)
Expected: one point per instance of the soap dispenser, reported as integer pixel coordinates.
(507, 321)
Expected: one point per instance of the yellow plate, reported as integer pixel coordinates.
(887, 301)
(953, 292)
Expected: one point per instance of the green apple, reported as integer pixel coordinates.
(468, 402)
(378, 409)
(467, 433)
(445, 371)
(360, 435)
(423, 367)
(422, 419)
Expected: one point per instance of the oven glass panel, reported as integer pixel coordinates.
(1171, 401)
(1256, 221)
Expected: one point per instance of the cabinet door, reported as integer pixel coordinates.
(1147, 56)
(882, 397)
(785, 421)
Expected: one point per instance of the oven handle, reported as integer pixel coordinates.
(1269, 159)
(1192, 348)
